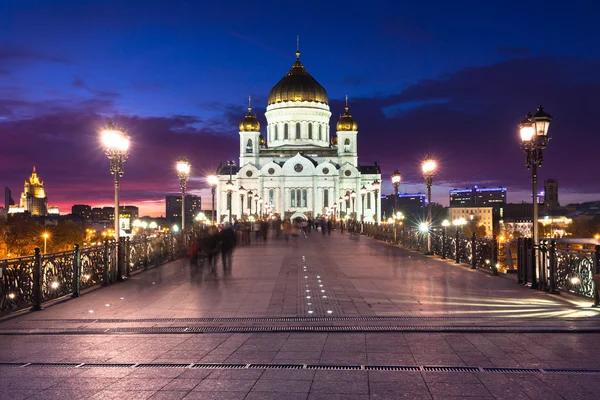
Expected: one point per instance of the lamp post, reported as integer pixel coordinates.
(445, 225)
(116, 148)
(183, 172)
(242, 193)
(340, 201)
(363, 193)
(45, 236)
(213, 181)
(256, 196)
(353, 197)
(396, 178)
(260, 202)
(250, 202)
(534, 139)
(229, 186)
(429, 166)
(334, 206)
(376, 186)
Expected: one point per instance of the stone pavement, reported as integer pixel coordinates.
(102, 340)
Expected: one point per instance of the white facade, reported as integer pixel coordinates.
(298, 171)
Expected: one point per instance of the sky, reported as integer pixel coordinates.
(448, 78)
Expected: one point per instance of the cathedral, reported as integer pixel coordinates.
(300, 169)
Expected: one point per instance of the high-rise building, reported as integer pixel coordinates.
(477, 196)
(551, 194)
(33, 199)
(193, 205)
(409, 204)
(8, 200)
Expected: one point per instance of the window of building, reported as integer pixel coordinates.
(320, 132)
(299, 197)
(293, 198)
(326, 198)
(249, 146)
(276, 133)
(285, 132)
(310, 131)
(347, 145)
(304, 198)
(369, 200)
(297, 130)
(271, 196)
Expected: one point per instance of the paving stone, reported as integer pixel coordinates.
(290, 386)
(340, 387)
(225, 385)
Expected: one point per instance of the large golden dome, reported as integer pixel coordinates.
(346, 122)
(297, 85)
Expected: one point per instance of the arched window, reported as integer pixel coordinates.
(299, 198)
(297, 130)
(304, 198)
(320, 132)
(276, 133)
(293, 198)
(347, 145)
(326, 198)
(310, 131)
(369, 200)
(285, 132)
(271, 196)
(249, 146)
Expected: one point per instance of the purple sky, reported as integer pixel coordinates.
(453, 81)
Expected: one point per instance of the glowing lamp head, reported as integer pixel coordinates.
(260, 200)
(212, 180)
(376, 185)
(363, 191)
(399, 215)
(153, 225)
(341, 200)
(145, 225)
(183, 167)
(390, 220)
(346, 197)
(353, 194)
(445, 223)
(46, 235)
(424, 227)
(114, 140)
(541, 120)
(526, 128)
(229, 186)
(256, 196)
(575, 280)
(428, 166)
(242, 191)
(175, 228)
(396, 178)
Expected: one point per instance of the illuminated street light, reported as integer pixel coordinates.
(534, 139)
(256, 197)
(424, 227)
(153, 225)
(212, 181)
(363, 193)
(175, 228)
(353, 197)
(116, 148)
(242, 191)
(183, 172)
(376, 185)
(45, 235)
(229, 187)
(396, 178)
(429, 167)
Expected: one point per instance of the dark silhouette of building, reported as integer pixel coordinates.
(82, 210)
(551, 194)
(477, 196)
(8, 200)
(411, 205)
(193, 205)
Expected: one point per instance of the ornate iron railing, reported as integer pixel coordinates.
(30, 281)
(575, 272)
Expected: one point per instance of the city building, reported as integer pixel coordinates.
(8, 200)
(484, 214)
(551, 194)
(193, 205)
(298, 167)
(82, 210)
(33, 199)
(411, 205)
(477, 196)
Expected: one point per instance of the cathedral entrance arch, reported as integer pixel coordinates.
(298, 215)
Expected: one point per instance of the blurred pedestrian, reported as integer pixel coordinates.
(227, 242)
(329, 227)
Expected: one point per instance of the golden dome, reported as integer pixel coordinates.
(346, 122)
(297, 85)
(250, 123)
(334, 140)
(261, 140)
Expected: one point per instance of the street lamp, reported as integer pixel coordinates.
(213, 181)
(396, 178)
(429, 166)
(183, 172)
(116, 148)
(229, 186)
(242, 193)
(46, 235)
(334, 206)
(363, 193)
(340, 201)
(260, 201)
(353, 196)
(256, 196)
(534, 139)
(376, 186)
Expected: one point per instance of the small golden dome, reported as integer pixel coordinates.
(297, 85)
(334, 140)
(261, 140)
(346, 122)
(250, 123)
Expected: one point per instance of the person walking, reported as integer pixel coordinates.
(329, 227)
(227, 242)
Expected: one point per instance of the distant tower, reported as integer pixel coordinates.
(8, 200)
(33, 198)
(551, 193)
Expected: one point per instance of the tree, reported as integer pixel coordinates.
(22, 235)
(65, 235)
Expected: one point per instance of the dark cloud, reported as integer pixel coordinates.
(13, 54)
(514, 51)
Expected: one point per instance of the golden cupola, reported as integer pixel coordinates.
(250, 123)
(297, 85)
(346, 122)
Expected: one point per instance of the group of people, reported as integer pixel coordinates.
(208, 244)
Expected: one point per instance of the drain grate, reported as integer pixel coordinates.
(334, 367)
(391, 368)
(513, 370)
(54, 364)
(219, 366)
(572, 371)
(9, 364)
(108, 365)
(276, 366)
(450, 369)
(163, 365)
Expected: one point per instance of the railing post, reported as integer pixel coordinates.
(37, 281)
(596, 276)
(106, 272)
(127, 257)
(495, 248)
(146, 253)
(444, 242)
(457, 254)
(553, 269)
(120, 246)
(520, 260)
(533, 261)
(473, 252)
(76, 272)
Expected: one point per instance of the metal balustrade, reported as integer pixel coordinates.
(32, 280)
